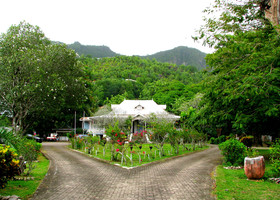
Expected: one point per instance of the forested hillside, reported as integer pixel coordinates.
(93, 51)
(179, 55)
(113, 79)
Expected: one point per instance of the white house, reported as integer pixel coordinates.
(140, 111)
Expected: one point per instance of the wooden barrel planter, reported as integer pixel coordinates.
(254, 167)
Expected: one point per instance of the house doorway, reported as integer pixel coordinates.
(138, 126)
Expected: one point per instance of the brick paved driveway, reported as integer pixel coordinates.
(76, 176)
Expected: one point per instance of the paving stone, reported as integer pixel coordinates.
(73, 175)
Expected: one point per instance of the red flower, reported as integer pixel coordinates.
(117, 150)
(116, 134)
(118, 140)
(143, 152)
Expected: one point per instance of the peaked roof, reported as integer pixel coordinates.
(136, 109)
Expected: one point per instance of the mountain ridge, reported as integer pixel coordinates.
(181, 55)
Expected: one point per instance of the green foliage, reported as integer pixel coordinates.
(174, 138)
(181, 56)
(242, 92)
(9, 165)
(92, 51)
(25, 189)
(4, 121)
(251, 153)
(160, 131)
(217, 140)
(41, 83)
(233, 151)
(234, 17)
(113, 79)
(29, 149)
(117, 139)
(275, 157)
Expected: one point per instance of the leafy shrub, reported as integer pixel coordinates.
(117, 137)
(221, 139)
(247, 140)
(30, 150)
(213, 140)
(275, 156)
(251, 153)
(218, 140)
(233, 151)
(9, 166)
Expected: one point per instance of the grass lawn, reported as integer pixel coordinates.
(139, 156)
(233, 184)
(25, 189)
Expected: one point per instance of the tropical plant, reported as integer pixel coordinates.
(9, 165)
(29, 149)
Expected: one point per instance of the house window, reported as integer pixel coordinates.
(139, 107)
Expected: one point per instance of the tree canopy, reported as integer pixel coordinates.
(38, 79)
(242, 94)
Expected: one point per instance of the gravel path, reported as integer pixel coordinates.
(73, 175)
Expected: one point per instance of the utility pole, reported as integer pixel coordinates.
(75, 124)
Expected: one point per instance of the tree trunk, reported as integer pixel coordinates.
(273, 12)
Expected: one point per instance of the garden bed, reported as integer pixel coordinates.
(128, 157)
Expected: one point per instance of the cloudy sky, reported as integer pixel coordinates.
(128, 27)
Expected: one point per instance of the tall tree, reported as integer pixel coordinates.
(243, 91)
(36, 77)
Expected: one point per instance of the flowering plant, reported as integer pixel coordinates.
(139, 138)
(116, 137)
(9, 165)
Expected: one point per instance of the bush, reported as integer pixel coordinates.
(212, 140)
(233, 151)
(30, 150)
(275, 156)
(218, 140)
(221, 139)
(9, 166)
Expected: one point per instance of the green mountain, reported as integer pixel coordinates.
(179, 55)
(93, 51)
